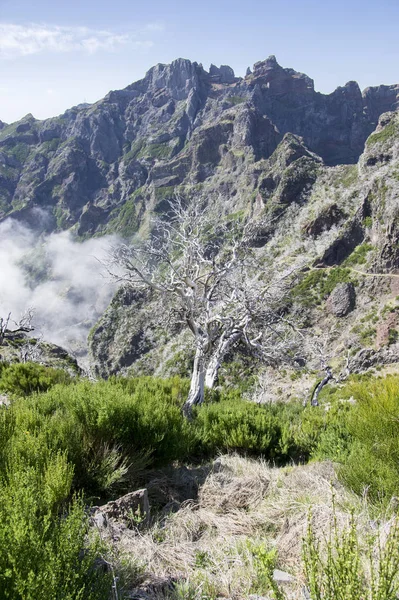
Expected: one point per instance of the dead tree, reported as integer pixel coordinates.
(4, 322)
(204, 273)
(22, 327)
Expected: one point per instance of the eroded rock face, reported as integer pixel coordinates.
(183, 120)
(342, 300)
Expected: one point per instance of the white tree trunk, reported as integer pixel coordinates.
(197, 385)
(224, 345)
(212, 370)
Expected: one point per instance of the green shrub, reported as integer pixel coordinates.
(265, 561)
(236, 100)
(338, 567)
(359, 255)
(106, 427)
(43, 538)
(362, 435)
(265, 430)
(319, 283)
(337, 571)
(23, 379)
(373, 462)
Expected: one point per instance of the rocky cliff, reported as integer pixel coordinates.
(104, 167)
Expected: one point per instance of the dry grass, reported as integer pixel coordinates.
(209, 541)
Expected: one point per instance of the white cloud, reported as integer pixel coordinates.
(24, 40)
(68, 303)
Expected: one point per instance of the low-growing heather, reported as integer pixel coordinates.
(22, 379)
(372, 465)
(44, 549)
(105, 429)
(64, 442)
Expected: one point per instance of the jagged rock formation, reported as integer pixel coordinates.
(104, 167)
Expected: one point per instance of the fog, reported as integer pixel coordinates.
(63, 281)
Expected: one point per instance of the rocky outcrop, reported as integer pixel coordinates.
(223, 74)
(269, 74)
(84, 166)
(131, 510)
(122, 334)
(20, 346)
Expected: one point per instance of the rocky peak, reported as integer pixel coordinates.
(222, 74)
(278, 80)
(352, 89)
(180, 124)
(178, 78)
(380, 99)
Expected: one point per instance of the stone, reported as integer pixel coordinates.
(342, 300)
(282, 576)
(131, 510)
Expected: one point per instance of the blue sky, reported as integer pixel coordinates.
(56, 54)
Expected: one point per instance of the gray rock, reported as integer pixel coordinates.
(130, 510)
(342, 300)
(282, 576)
(223, 74)
(100, 520)
(66, 162)
(367, 358)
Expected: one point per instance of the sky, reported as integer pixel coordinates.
(55, 54)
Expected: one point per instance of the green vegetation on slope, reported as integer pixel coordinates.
(80, 440)
(317, 284)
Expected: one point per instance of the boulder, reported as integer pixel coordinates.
(131, 510)
(342, 300)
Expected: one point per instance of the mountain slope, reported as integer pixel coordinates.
(314, 176)
(104, 167)
(338, 224)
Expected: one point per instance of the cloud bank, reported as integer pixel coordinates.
(62, 280)
(25, 40)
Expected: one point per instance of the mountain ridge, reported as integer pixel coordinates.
(171, 128)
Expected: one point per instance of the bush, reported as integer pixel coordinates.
(43, 538)
(339, 568)
(338, 571)
(373, 462)
(362, 435)
(23, 379)
(108, 426)
(318, 284)
(266, 430)
(111, 430)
